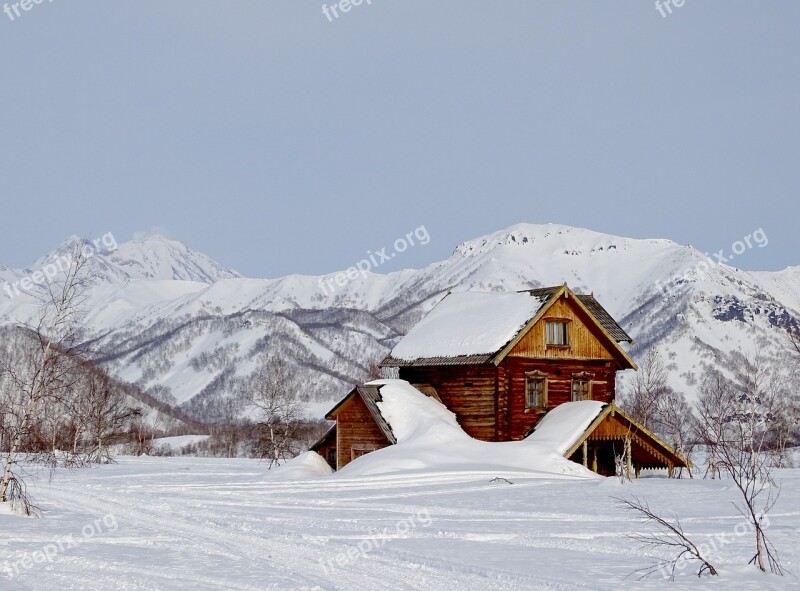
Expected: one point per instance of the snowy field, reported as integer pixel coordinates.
(207, 524)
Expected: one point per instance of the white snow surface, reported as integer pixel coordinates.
(560, 428)
(306, 466)
(177, 524)
(409, 412)
(468, 323)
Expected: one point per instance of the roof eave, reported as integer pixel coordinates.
(613, 408)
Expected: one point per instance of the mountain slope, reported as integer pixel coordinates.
(190, 332)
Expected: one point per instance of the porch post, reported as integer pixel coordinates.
(628, 460)
(585, 454)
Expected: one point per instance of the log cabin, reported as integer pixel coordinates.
(501, 362)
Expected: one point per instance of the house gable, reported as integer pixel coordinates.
(606, 436)
(589, 339)
(584, 337)
(359, 427)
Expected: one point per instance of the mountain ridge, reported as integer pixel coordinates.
(189, 331)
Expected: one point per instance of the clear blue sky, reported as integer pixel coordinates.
(278, 142)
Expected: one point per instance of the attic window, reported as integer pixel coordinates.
(557, 333)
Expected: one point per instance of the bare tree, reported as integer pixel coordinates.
(794, 340)
(143, 436)
(653, 403)
(277, 394)
(735, 420)
(37, 374)
(107, 415)
(675, 422)
(672, 536)
(641, 397)
(793, 402)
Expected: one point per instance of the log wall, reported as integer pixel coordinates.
(520, 419)
(467, 390)
(356, 430)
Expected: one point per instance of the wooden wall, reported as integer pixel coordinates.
(467, 390)
(355, 428)
(490, 402)
(584, 343)
(519, 418)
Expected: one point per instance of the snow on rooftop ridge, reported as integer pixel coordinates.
(561, 428)
(468, 323)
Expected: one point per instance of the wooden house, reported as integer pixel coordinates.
(500, 362)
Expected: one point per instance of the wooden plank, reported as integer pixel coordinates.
(469, 391)
(520, 418)
(583, 336)
(355, 429)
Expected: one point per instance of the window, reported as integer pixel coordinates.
(536, 390)
(359, 450)
(581, 388)
(557, 333)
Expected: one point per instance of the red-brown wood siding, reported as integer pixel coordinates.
(559, 387)
(467, 390)
(356, 429)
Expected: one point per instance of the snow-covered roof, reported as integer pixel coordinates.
(469, 323)
(471, 327)
(408, 411)
(563, 426)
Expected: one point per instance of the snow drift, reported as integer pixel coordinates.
(429, 439)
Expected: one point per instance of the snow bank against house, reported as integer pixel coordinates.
(561, 428)
(430, 440)
(468, 323)
(306, 466)
(411, 414)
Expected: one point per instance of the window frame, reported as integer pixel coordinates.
(536, 376)
(361, 449)
(564, 323)
(584, 378)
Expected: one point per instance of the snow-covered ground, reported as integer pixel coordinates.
(206, 524)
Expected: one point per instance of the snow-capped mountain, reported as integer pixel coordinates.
(190, 331)
(153, 257)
